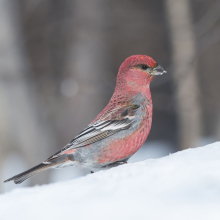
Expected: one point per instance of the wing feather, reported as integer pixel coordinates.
(121, 119)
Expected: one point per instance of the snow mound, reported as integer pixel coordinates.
(184, 185)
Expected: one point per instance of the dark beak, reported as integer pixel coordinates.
(158, 70)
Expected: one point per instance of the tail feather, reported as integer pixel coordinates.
(28, 173)
(52, 162)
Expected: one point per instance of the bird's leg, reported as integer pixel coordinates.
(121, 163)
(125, 161)
(117, 163)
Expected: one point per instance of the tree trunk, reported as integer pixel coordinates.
(22, 125)
(184, 72)
(87, 62)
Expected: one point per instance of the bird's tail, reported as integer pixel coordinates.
(28, 173)
(50, 163)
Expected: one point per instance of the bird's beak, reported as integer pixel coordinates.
(157, 70)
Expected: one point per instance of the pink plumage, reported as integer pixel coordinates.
(118, 131)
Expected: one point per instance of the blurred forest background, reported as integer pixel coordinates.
(58, 65)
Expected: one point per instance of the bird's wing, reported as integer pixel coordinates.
(114, 121)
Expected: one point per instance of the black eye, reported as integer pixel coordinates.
(144, 67)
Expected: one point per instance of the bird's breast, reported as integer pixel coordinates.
(126, 143)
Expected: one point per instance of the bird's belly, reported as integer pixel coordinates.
(119, 149)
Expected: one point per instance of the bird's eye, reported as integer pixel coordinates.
(144, 67)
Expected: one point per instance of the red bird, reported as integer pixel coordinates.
(118, 131)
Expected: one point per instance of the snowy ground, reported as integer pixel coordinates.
(184, 185)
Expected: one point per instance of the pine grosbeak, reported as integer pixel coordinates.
(118, 131)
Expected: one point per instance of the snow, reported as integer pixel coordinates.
(183, 185)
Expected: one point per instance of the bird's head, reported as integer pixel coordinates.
(138, 70)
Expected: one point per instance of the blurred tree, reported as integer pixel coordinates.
(207, 27)
(86, 65)
(184, 72)
(23, 128)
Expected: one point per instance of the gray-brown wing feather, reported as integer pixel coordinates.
(103, 129)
